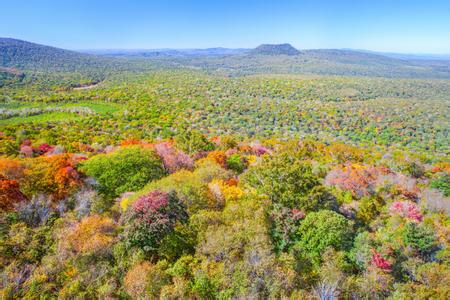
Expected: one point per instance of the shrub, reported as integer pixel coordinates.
(225, 142)
(258, 149)
(236, 163)
(12, 169)
(407, 209)
(94, 234)
(193, 141)
(145, 280)
(151, 218)
(443, 184)
(172, 158)
(44, 148)
(217, 156)
(37, 211)
(380, 262)
(86, 200)
(26, 151)
(8, 146)
(221, 191)
(414, 169)
(126, 169)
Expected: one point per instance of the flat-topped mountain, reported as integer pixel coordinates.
(275, 49)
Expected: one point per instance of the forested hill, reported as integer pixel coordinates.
(50, 67)
(280, 49)
(34, 57)
(318, 62)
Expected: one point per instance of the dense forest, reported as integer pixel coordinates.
(264, 174)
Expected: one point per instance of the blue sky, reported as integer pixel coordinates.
(412, 26)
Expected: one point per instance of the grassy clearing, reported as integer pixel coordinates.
(98, 107)
(45, 117)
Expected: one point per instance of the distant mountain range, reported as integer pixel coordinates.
(408, 56)
(167, 51)
(264, 49)
(24, 56)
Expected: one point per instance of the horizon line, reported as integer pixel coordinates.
(393, 52)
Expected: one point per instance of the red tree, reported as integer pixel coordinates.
(10, 194)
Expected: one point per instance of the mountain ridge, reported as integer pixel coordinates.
(25, 55)
(266, 58)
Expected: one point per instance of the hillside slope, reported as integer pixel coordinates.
(35, 57)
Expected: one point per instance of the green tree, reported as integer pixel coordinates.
(443, 184)
(126, 169)
(236, 162)
(321, 230)
(193, 141)
(289, 182)
(419, 237)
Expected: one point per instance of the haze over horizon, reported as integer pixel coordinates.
(412, 27)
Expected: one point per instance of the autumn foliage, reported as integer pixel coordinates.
(10, 194)
(12, 168)
(221, 191)
(152, 217)
(407, 209)
(358, 179)
(287, 220)
(380, 262)
(172, 158)
(55, 175)
(93, 234)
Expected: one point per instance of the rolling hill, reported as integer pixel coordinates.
(53, 67)
(264, 59)
(282, 60)
(24, 55)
